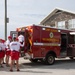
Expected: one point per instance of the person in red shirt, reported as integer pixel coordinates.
(15, 48)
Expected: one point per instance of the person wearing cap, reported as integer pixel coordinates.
(8, 50)
(15, 48)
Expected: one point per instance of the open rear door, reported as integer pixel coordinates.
(14, 34)
(63, 51)
(71, 44)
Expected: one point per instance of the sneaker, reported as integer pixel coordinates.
(11, 70)
(18, 69)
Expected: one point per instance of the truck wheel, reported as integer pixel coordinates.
(50, 59)
(71, 57)
(34, 60)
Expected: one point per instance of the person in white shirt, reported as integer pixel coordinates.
(15, 48)
(8, 50)
(21, 38)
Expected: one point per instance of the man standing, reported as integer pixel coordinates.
(8, 50)
(15, 47)
(21, 40)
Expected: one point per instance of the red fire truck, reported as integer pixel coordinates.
(46, 43)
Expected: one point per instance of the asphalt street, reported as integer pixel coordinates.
(61, 67)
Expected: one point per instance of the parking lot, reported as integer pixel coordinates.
(61, 67)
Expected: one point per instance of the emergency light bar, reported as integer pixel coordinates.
(72, 33)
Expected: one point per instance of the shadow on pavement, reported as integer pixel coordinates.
(30, 67)
(59, 64)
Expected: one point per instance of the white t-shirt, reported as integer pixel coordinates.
(0, 46)
(3, 46)
(21, 38)
(15, 46)
(7, 43)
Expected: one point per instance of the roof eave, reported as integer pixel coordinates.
(53, 12)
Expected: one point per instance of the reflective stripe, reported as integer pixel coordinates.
(47, 44)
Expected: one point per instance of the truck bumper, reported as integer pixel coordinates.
(28, 56)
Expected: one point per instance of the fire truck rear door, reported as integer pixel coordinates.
(71, 45)
(14, 34)
(36, 41)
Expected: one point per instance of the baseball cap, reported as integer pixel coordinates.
(10, 37)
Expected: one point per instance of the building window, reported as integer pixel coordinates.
(61, 24)
(71, 24)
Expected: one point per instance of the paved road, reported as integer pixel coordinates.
(61, 67)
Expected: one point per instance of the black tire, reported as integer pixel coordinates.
(34, 60)
(71, 58)
(50, 59)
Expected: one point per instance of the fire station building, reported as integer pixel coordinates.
(60, 18)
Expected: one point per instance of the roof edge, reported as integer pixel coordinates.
(53, 12)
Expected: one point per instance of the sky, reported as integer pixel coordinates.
(28, 12)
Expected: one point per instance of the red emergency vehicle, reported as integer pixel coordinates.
(46, 43)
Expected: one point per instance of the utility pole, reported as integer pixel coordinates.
(6, 20)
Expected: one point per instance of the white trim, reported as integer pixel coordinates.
(72, 33)
(46, 44)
